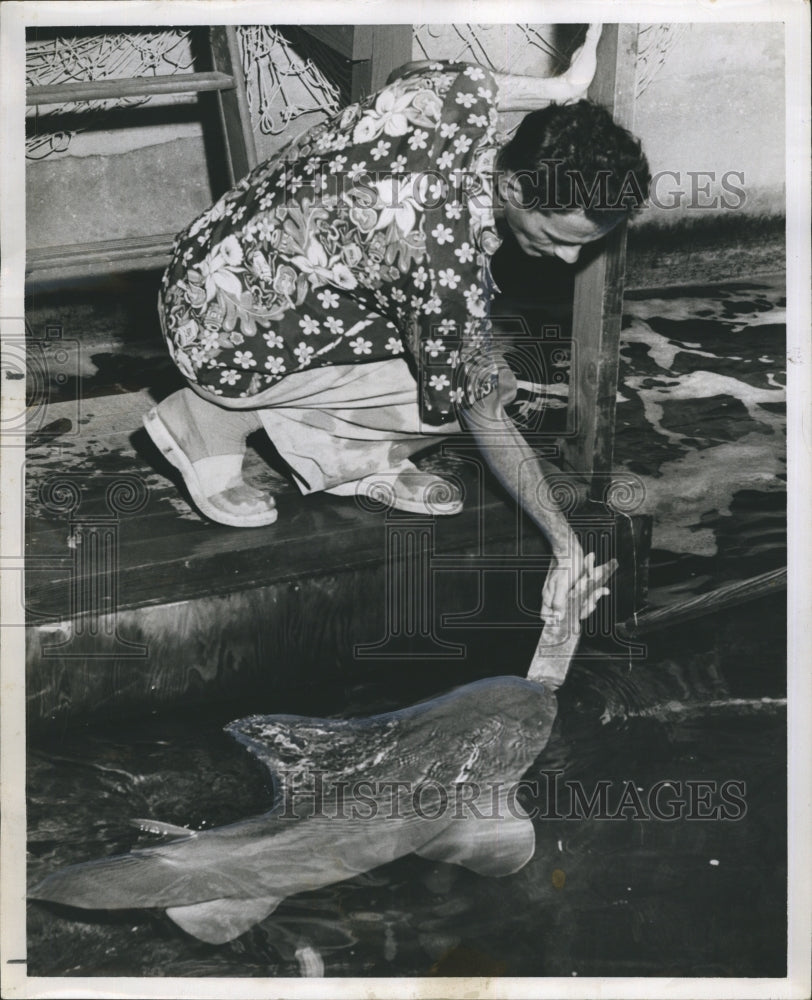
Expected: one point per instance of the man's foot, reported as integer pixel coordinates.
(405, 487)
(206, 443)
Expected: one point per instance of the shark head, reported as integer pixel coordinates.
(489, 730)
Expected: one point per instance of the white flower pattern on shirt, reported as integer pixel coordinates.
(379, 219)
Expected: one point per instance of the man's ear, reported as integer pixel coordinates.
(510, 189)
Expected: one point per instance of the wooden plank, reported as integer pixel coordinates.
(101, 257)
(729, 595)
(167, 553)
(165, 558)
(262, 639)
(235, 117)
(599, 286)
(136, 86)
(390, 46)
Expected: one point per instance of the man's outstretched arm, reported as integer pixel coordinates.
(526, 93)
(523, 475)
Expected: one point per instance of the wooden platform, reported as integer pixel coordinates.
(135, 602)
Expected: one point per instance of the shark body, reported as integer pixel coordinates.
(388, 786)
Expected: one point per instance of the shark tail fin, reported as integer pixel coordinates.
(220, 920)
(121, 882)
(148, 880)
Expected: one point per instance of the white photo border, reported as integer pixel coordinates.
(15, 16)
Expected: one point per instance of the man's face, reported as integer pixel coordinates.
(551, 234)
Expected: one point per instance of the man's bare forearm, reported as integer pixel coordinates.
(526, 93)
(516, 92)
(518, 468)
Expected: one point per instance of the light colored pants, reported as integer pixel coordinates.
(339, 423)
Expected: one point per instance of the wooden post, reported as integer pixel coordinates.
(384, 47)
(598, 301)
(373, 51)
(233, 103)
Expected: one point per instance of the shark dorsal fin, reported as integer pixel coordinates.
(219, 920)
(493, 836)
(293, 747)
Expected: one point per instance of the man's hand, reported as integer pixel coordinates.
(567, 568)
(583, 65)
(574, 584)
(507, 386)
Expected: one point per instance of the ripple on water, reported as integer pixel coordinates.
(702, 420)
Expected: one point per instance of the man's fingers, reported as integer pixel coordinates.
(575, 589)
(602, 573)
(592, 603)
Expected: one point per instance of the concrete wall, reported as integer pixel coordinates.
(715, 104)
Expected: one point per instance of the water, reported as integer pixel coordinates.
(700, 420)
(627, 896)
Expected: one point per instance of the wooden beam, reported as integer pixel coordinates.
(729, 595)
(103, 257)
(136, 86)
(599, 285)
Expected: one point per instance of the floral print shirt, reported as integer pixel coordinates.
(364, 239)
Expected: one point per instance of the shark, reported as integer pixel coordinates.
(437, 779)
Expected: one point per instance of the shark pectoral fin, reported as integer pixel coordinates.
(161, 829)
(490, 840)
(220, 920)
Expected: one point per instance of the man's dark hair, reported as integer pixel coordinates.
(574, 156)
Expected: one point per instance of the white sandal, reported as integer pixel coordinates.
(205, 481)
(406, 488)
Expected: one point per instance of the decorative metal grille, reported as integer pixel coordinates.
(282, 85)
(654, 41)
